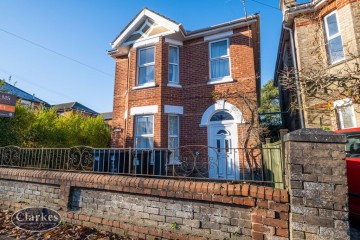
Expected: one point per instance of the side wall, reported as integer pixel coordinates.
(310, 40)
(151, 208)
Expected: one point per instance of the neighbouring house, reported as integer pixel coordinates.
(318, 64)
(167, 79)
(74, 107)
(107, 117)
(26, 99)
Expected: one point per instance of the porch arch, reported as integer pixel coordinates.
(218, 106)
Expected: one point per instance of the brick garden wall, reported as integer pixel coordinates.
(149, 208)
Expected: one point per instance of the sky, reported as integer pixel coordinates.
(57, 49)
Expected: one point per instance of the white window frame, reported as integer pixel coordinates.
(341, 104)
(175, 160)
(170, 83)
(225, 78)
(329, 38)
(144, 135)
(148, 84)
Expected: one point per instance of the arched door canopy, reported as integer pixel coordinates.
(218, 106)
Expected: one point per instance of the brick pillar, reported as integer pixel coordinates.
(317, 184)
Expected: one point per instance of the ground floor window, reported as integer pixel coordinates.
(144, 131)
(173, 138)
(346, 113)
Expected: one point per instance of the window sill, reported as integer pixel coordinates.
(220, 80)
(338, 62)
(149, 85)
(174, 85)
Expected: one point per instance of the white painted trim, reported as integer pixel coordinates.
(126, 114)
(329, 38)
(216, 30)
(221, 57)
(128, 29)
(174, 109)
(174, 42)
(174, 85)
(219, 35)
(175, 64)
(345, 103)
(145, 43)
(162, 21)
(146, 85)
(226, 79)
(211, 132)
(145, 13)
(151, 109)
(175, 161)
(218, 106)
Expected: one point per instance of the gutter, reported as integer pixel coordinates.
(296, 75)
(305, 7)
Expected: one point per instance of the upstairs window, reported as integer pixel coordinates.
(146, 66)
(219, 59)
(333, 38)
(173, 65)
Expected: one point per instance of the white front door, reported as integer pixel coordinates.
(223, 152)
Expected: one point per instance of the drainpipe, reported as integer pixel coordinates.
(295, 74)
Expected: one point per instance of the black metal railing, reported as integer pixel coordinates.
(195, 162)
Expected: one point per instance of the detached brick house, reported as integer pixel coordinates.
(166, 77)
(324, 36)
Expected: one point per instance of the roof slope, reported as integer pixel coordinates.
(107, 115)
(63, 107)
(21, 93)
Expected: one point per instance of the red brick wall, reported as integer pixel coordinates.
(202, 210)
(195, 95)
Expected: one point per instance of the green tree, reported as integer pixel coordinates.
(269, 110)
(43, 127)
(269, 98)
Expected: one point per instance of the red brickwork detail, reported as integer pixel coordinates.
(269, 208)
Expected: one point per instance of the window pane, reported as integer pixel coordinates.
(144, 125)
(220, 68)
(336, 49)
(173, 73)
(227, 145)
(144, 142)
(146, 56)
(174, 147)
(218, 49)
(146, 74)
(174, 125)
(332, 25)
(353, 146)
(221, 116)
(347, 116)
(173, 142)
(173, 55)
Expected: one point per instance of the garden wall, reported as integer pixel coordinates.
(314, 206)
(149, 208)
